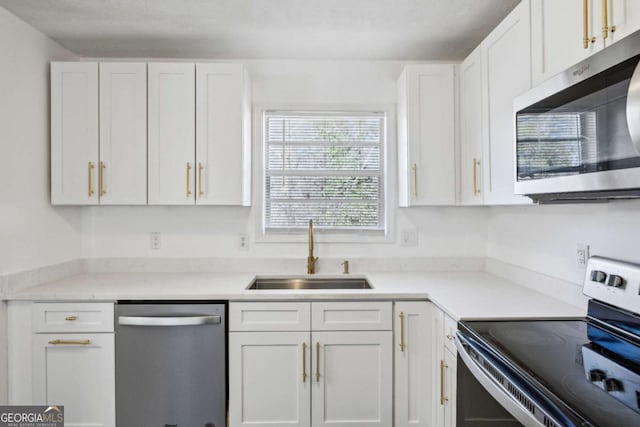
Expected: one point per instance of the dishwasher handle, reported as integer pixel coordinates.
(169, 321)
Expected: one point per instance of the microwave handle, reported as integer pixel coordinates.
(633, 108)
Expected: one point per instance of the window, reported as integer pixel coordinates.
(328, 167)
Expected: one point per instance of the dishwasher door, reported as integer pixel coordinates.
(170, 365)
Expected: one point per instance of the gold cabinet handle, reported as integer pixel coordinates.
(318, 362)
(90, 167)
(103, 189)
(605, 20)
(443, 366)
(188, 179)
(304, 362)
(200, 169)
(414, 173)
(450, 337)
(401, 331)
(476, 190)
(585, 24)
(70, 342)
(71, 318)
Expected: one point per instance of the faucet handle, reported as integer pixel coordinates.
(345, 264)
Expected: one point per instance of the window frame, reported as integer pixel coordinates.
(336, 236)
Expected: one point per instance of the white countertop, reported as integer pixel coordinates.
(462, 295)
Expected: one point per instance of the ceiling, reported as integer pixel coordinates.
(260, 29)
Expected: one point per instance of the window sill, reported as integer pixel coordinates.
(318, 237)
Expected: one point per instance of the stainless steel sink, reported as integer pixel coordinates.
(274, 283)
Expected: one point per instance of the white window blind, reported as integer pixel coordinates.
(328, 167)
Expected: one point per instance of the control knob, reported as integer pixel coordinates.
(615, 281)
(596, 375)
(598, 276)
(612, 384)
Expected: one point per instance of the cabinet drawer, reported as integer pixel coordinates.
(351, 316)
(450, 328)
(72, 317)
(269, 316)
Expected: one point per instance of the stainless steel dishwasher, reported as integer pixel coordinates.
(170, 365)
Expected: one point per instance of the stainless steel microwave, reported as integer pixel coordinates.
(577, 135)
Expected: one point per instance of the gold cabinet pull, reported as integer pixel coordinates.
(188, 179)
(70, 342)
(414, 173)
(304, 362)
(318, 362)
(450, 337)
(401, 331)
(585, 24)
(200, 169)
(605, 20)
(476, 190)
(71, 318)
(90, 167)
(103, 189)
(443, 366)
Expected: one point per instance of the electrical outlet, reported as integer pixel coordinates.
(243, 242)
(409, 237)
(582, 254)
(155, 240)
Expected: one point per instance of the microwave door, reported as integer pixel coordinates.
(633, 109)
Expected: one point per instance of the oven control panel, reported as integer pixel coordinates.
(613, 378)
(613, 282)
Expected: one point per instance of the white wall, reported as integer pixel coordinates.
(214, 231)
(544, 238)
(32, 233)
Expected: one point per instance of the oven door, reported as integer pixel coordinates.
(491, 393)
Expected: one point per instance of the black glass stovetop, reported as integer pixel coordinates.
(569, 361)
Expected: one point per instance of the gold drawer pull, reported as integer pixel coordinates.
(70, 342)
(304, 362)
(414, 172)
(103, 189)
(318, 362)
(188, 179)
(71, 318)
(90, 167)
(200, 169)
(476, 190)
(402, 345)
(443, 366)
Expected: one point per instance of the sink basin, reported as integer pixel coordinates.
(274, 283)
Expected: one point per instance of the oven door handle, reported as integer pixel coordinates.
(514, 406)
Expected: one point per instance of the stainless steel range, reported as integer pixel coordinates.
(558, 373)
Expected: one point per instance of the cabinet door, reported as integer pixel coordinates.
(449, 388)
(223, 147)
(471, 127)
(507, 74)
(269, 379)
(123, 134)
(74, 133)
(352, 379)
(171, 134)
(557, 35)
(412, 364)
(427, 140)
(77, 375)
(624, 15)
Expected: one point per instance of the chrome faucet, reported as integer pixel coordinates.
(311, 260)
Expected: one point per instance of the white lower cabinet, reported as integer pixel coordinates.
(270, 382)
(76, 371)
(444, 363)
(352, 379)
(71, 360)
(413, 375)
(309, 378)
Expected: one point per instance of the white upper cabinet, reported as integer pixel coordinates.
(426, 135)
(122, 169)
(506, 65)
(623, 18)
(74, 133)
(223, 135)
(471, 128)
(171, 148)
(559, 38)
